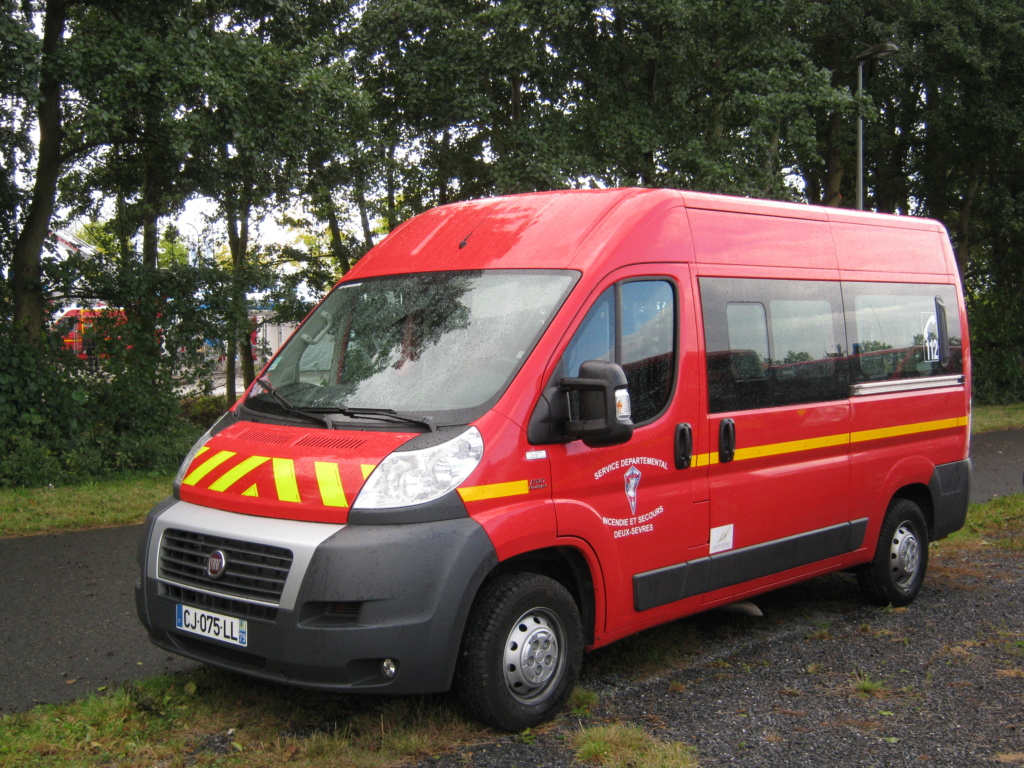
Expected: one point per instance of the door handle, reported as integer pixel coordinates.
(684, 446)
(726, 440)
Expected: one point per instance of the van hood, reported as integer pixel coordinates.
(286, 472)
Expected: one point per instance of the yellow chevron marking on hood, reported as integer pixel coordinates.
(207, 467)
(236, 473)
(284, 480)
(328, 477)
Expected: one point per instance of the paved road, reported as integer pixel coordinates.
(998, 464)
(67, 611)
(67, 618)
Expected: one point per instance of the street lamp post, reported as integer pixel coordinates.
(879, 51)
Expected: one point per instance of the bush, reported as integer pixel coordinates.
(64, 420)
(202, 410)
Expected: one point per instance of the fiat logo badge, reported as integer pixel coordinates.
(216, 564)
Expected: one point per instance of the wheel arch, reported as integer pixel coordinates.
(568, 567)
(921, 495)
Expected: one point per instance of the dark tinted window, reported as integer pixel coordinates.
(632, 324)
(900, 331)
(773, 342)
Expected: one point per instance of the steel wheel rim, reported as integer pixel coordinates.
(905, 555)
(533, 655)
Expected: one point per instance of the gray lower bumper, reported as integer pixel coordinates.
(355, 595)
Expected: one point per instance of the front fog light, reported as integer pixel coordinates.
(389, 668)
(407, 478)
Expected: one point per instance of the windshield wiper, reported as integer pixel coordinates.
(382, 414)
(282, 401)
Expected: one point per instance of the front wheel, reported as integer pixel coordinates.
(895, 575)
(521, 652)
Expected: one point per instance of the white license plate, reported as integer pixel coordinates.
(224, 628)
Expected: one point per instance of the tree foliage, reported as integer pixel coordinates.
(343, 119)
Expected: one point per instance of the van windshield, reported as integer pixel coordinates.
(440, 346)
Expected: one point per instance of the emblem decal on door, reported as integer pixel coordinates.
(632, 478)
(721, 539)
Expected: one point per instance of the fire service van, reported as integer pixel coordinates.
(527, 426)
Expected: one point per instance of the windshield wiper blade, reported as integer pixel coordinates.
(383, 414)
(282, 401)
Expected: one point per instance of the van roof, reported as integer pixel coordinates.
(568, 229)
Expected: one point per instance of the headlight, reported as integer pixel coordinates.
(218, 425)
(407, 478)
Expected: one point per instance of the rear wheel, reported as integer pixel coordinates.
(895, 575)
(521, 652)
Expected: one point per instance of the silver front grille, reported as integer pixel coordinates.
(254, 572)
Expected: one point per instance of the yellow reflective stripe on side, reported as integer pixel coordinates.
(830, 441)
(907, 429)
(284, 480)
(367, 469)
(238, 472)
(495, 491)
(207, 467)
(328, 477)
(794, 446)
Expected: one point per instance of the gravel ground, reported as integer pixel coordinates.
(946, 676)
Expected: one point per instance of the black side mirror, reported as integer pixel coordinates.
(605, 417)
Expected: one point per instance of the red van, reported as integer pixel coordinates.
(527, 426)
(78, 329)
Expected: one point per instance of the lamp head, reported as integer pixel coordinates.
(879, 51)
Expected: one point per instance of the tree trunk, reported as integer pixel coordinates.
(392, 192)
(364, 216)
(238, 212)
(336, 247)
(150, 224)
(26, 260)
(229, 376)
(963, 229)
(833, 162)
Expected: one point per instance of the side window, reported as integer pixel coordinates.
(806, 355)
(632, 324)
(773, 342)
(595, 339)
(747, 323)
(903, 331)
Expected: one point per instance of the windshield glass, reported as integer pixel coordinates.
(441, 345)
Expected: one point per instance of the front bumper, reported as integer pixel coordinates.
(353, 596)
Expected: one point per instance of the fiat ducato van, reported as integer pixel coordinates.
(527, 426)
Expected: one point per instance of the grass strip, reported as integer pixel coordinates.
(208, 717)
(992, 418)
(120, 500)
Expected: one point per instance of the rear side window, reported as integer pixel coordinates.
(773, 342)
(632, 324)
(901, 331)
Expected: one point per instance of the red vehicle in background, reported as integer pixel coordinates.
(78, 332)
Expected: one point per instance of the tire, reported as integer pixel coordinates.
(895, 575)
(521, 652)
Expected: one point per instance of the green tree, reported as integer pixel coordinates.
(270, 85)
